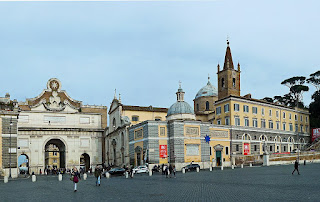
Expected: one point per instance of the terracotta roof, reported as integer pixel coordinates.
(139, 108)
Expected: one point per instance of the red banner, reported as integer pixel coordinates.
(163, 151)
(315, 133)
(246, 149)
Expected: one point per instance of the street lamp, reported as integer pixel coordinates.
(10, 148)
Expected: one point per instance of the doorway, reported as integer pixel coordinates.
(55, 154)
(23, 164)
(85, 162)
(218, 157)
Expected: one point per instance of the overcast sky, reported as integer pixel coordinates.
(143, 49)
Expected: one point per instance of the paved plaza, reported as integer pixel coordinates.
(274, 183)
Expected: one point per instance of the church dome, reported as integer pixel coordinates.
(180, 110)
(180, 107)
(208, 90)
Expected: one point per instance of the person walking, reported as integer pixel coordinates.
(170, 170)
(75, 177)
(97, 174)
(296, 167)
(174, 171)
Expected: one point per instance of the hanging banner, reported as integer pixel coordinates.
(315, 133)
(163, 151)
(246, 149)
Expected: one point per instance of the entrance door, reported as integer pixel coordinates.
(218, 157)
(138, 158)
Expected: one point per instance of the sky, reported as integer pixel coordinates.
(144, 48)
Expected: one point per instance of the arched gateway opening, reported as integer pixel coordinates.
(23, 163)
(85, 162)
(55, 156)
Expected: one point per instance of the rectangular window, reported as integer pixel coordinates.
(307, 129)
(236, 107)
(296, 128)
(254, 122)
(270, 124)
(227, 121)
(210, 151)
(262, 111)
(227, 150)
(226, 108)
(271, 148)
(306, 119)
(237, 147)
(254, 110)
(295, 117)
(291, 126)
(301, 128)
(237, 120)
(255, 147)
(245, 108)
(277, 114)
(284, 148)
(192, 149)
(246, 121)
(162, 131)
(290, 116)
(278, 125)
(270, 112)
(218, 110)
(284, 126)
(263, 123)
(284, 115)
(219, 122)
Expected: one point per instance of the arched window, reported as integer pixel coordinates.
(207, 106)
(234, 82)
(222, 82)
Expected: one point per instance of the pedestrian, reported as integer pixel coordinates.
(75, 176)
(97, 174)
(174, 171)
(296, 167)
(166, 170)
(40, 172)
(170, 170)
(131, 172)
(162, 169)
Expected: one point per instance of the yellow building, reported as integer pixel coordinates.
(52, 157)
(121, 117)
(254, 123)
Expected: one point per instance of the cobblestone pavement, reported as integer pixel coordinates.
(274, 183)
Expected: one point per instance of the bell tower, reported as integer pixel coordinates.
(228, 77)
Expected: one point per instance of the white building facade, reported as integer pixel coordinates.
(53, 118)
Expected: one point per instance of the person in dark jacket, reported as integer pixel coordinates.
(76, 177)
(170, 170)
(296, 167)
(97, 174)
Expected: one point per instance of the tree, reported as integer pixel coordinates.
(268, 99)
(314, 107)
(315, 80)
(294, 97)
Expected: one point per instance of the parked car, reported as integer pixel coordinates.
(117, 171)
(191, 167)
(141, 169)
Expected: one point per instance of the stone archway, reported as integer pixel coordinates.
(85, 162)
(23, 164)
(55, 154)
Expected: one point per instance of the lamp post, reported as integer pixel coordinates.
(10, 148)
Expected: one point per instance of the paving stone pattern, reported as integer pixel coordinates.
(274, 183)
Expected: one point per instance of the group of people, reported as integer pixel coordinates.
(169, 171)
(75, 176)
